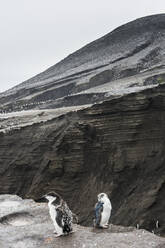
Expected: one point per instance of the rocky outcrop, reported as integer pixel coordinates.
(24, 223)
(117, 147)
(135, 50)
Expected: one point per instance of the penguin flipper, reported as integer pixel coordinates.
(98, 210)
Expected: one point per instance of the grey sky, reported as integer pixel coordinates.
(36, 34)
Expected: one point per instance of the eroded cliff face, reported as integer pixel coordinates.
(117, 147)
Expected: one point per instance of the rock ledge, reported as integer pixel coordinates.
(26, 224)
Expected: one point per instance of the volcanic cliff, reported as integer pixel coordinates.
(95, 122)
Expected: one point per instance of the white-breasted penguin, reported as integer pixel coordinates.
(60, 214)
(103, 210)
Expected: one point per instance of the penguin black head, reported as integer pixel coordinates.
(53, 197)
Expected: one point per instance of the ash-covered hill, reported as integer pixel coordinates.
(119, 62)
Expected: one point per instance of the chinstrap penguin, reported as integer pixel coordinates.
(102, 210)
(60, 214)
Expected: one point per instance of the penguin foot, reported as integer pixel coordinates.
(58, 235)
(105, 226)
(68, 233)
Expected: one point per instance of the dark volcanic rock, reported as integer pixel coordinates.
(116, 147)
(129, 50)
(31, 227)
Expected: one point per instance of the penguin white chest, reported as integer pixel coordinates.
(106, 214)
(52, 212)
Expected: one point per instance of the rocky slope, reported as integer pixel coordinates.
(25, 224)
(135, 50)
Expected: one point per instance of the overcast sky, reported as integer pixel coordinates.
(36, 34)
